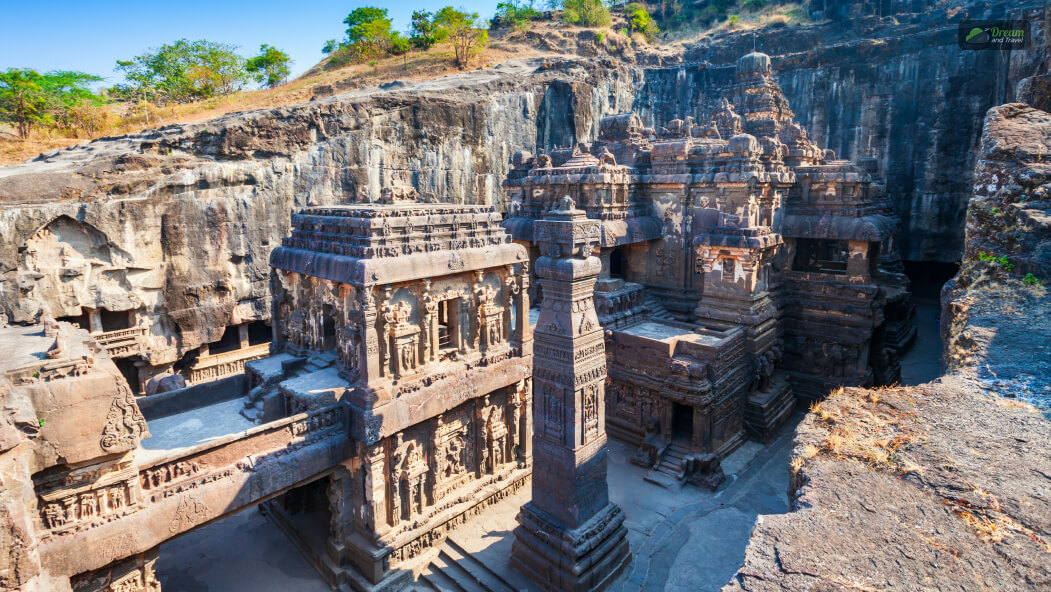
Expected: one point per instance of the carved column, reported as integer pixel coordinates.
(430, 323)
(570, 537)
(386, 323)
(369, 357)
(523, 331)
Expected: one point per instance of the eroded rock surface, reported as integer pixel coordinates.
(944, 486)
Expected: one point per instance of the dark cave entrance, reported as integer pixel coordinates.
(618, 263)
(928, 277)
(682, 423)
(258, 333)
(83, 321)
(230, 341)
(130, 372)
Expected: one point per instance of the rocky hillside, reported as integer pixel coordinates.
(177, 223)
(944, 486)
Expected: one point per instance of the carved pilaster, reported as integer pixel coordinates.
(386, 322)
(570, 537)
(370, 356)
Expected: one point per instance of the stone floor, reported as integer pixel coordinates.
(687, 539)
(193, 427)
(243, 553)
(922, 363)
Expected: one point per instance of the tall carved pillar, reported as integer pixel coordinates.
(385, 326)
(430, 323)
(369, 357)
(522, 328)
(570, 537)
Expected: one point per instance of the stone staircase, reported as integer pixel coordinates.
(253, 407)
(656, 310)
(670, 472)
(318, 361)
(456, 570)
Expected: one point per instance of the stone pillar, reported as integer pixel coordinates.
(95, 318)
(570, 537)
(369, 356)
(522, 328)
(242, 333)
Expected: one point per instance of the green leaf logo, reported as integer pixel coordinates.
(977, 35)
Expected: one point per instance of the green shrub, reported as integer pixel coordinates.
(1001, 260)
(640, 21)
(586, 13)
(1031, 279)
(514, 14)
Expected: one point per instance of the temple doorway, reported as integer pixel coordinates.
(682, 423)
(618, 264)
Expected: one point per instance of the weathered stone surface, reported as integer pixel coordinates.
(175, 226)
(898, 90)
(945, 485)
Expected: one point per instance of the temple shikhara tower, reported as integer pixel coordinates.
(570, 536)
(742, 267)
(693, 281)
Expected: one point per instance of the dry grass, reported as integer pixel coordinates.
(989, 523)
(771, 15)
(876, 434)
(128, 118)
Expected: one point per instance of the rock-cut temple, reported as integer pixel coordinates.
(678, 288)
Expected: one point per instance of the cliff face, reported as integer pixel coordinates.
(946, 484)
(176, 226)
(903, 93)
(172, 228)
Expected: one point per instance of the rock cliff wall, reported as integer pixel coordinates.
(946, 485)
(176, 226)
(900, 90)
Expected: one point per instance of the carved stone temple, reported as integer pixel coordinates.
(693, 280)
(570, 537)
(742, 266)
(415, 318)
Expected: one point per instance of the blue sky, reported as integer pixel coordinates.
(92, 36)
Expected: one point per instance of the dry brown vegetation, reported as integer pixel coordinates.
(871, 430)
(321, 80)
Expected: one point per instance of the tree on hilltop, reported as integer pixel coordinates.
(271, 67)
(464, 32)
(425, 33)
(368, 32)
(182, 72)
(29, 99)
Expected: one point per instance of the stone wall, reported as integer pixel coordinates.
(901, 91)
(177, 224)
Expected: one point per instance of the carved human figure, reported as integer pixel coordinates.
(54, 515)
(88, 505)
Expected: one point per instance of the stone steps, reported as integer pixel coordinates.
(668, 472)
(456, 570)
(656, 310)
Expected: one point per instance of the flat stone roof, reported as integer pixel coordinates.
(192, 427)
(24, 346)
(671, 333)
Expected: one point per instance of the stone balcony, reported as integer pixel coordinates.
(121, 343)
(214, 367)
